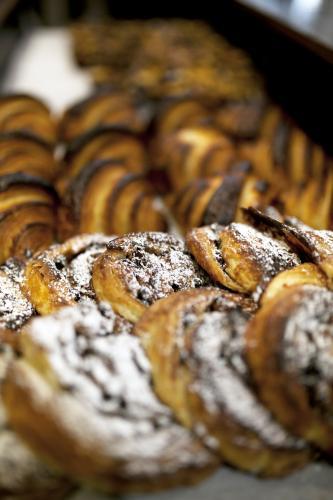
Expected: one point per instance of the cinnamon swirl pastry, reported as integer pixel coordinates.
(219, 199)
(140, 268)
(22, 154)
(240, 257)
(195, 152)
(105, 197)
(314, 245)
(118, 147)
(195, 341)
(81, 365)
(284, 151)
(24, 113)
(61, 275)
(241, 118)
(289, 345)
(22, 475)
(27, 215)
(114, 108)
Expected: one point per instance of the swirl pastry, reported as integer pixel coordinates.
(240, 119)
(24, 113)
(196, 152)
(27, 155)
(82, 365)
(124, 149)
(219, 199)
(284, 151)
(240, 257)
(116, 109)
(195, 341)
(61, 275)
(105, 197)
(22, 475)
(289, 346)
(27, 215)
(314, 245)
(140, 268)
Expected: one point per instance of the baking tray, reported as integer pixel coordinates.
(59, 82)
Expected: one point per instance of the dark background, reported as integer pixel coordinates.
(298, 78)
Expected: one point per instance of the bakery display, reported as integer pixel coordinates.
(165, 273)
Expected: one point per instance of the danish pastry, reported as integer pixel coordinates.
(106, 108)
(61, 275)
(240, 257)
(24, 113)
(82, 365)
(289, 346)
(22, 154)
(99, 145)
(219, 199)
(140, 268)
(27, 215)
(195, 152)
(105, 197)
(195, 341)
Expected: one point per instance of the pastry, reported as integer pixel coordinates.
(105, 197)
(27, 215)
(27, 155)
(195, 342)
(140, 268)
(111, 108)
(27, 114)
(82, 365)
(289, 346)
(61, 275)
(22, 475)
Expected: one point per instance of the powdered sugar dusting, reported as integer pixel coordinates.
(153, 265)
(308, 341)
(15, 309)
(221, 375)
(99, 364)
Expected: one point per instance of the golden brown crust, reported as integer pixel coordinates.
(194, 340)
(289, 350)
(114, 108)
(26, 155)
(105, 197)
(140, 268)
(27, 215)
(127, 440)
(61, 275)
(195, 152)
(24, 113)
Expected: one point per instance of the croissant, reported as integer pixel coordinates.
(106, 108)
(219, 199)
(26, 114)
(105, 197)
(289, 346)
(140, 268)
(27, 155)
(126, 440)
(61, 275)
(22, 475)
(27, 215)
(195, 341)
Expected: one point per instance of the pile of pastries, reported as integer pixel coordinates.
(166, 282)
